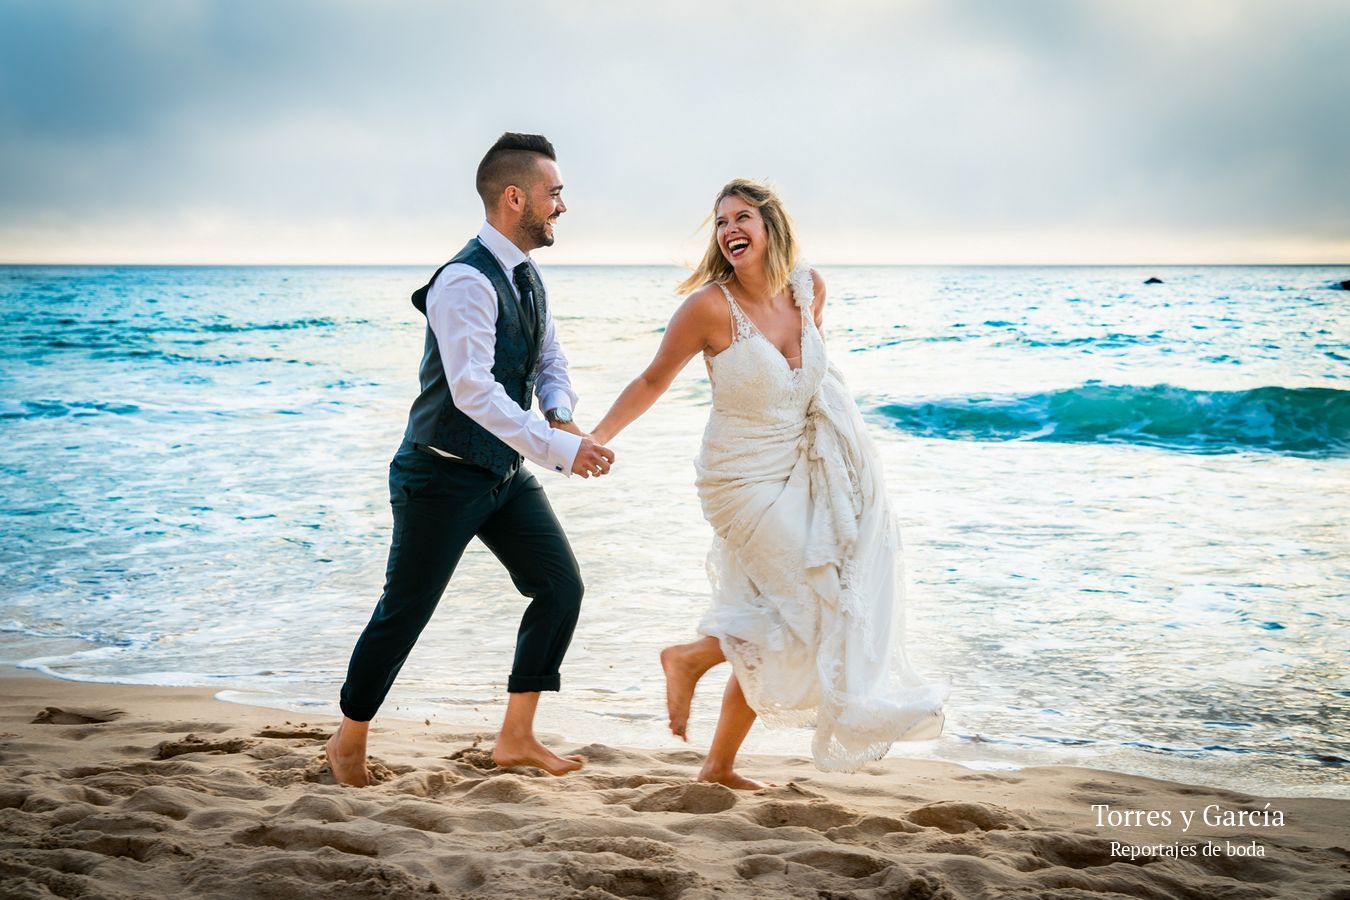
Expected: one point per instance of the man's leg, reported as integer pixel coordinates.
(437, 506)
(525, 535)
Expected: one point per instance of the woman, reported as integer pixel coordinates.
(805, 587)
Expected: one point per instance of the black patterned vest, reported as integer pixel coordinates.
(434, 419)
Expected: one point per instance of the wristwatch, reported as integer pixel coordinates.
(561, 414)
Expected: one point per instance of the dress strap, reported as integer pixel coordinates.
(804, 294)
(742, 327)
(802, 287)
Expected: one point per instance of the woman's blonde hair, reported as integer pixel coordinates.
(779, 259)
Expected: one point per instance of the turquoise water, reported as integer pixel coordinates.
(1123, 506)
(1308, 421)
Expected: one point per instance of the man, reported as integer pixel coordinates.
(490, 343)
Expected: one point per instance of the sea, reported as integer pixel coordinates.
(1125, 506)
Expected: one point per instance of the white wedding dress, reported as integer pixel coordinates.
(807, 582)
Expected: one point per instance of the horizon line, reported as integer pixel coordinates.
(667, 265)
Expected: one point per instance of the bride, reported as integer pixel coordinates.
(804, 565)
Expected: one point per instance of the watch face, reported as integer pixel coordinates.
(561, 414)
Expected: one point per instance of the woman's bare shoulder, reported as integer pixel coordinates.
(817, 283)
(705, 304)
(705, 312)
(707, 295)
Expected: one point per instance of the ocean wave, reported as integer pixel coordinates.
(1113, 340)
(291, 325)
(48, 409)
(1297, 421)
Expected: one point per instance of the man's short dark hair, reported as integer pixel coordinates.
(512, 160)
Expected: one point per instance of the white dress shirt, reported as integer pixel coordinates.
(462, 313)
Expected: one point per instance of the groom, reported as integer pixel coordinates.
(490, 344)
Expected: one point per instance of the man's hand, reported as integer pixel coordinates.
(592, 459)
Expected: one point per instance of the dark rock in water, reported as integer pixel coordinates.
(1344, 285)
(1154, 281)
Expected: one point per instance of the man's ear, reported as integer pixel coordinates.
(513, 197)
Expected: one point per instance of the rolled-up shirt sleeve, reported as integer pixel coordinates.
(462, 313)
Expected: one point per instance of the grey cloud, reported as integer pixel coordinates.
(885, 118)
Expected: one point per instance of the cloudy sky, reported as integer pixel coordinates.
(910, 131)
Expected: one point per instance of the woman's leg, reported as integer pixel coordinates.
(684, 665)
(732, 727)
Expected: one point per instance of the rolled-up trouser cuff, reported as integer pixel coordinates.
(357, 714)
(526, 684)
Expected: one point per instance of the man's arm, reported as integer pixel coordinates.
(554, 387)
(462, 312)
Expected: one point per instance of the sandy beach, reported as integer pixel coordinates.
(115, 791)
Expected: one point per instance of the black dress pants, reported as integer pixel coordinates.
(439, 506)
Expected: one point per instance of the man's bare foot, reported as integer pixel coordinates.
(732, 780)
(348, 765)
(684, 665)
(529, 752)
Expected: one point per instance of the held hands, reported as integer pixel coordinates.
(592, 458)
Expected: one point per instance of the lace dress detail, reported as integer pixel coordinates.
(805, 566)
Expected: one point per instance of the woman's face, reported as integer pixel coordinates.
(740, 232)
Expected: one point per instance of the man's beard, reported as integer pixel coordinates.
(535, 227)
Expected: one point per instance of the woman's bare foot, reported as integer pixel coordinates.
(347, 759)
(529, 752)
(732, 780)
(684, 665)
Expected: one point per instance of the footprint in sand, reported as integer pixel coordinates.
(790, 791)
(195, 744)
(289, 731)
(698, 798)
(638, 848)
(630, 881)
(55, 715)
(818, 815)
(1108, 787)
(848, 863)
(477, 757)
(955, 817)
(989, 777)
(1073, 851)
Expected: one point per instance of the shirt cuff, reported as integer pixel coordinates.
(555, 399)
(562, 450)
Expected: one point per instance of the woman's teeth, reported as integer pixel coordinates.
(735, 247)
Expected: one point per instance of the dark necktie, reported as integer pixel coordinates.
(530, 290)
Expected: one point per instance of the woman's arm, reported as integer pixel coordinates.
(687, 334)
(818, 302)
